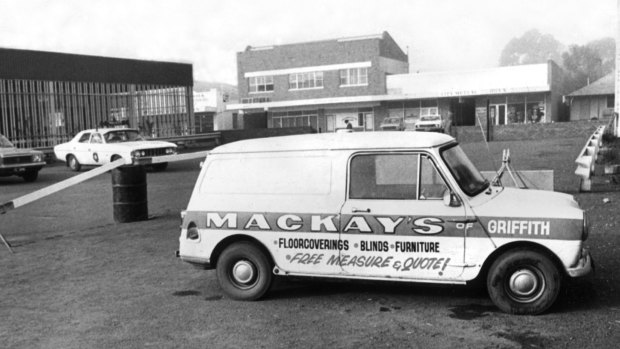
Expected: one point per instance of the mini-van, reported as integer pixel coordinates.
(377, 206)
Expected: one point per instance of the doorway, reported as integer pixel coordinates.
(498, 113)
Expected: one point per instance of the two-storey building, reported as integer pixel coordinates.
(319, 84)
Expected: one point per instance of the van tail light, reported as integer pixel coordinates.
(192, 232)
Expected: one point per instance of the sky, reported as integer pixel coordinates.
(437, 34)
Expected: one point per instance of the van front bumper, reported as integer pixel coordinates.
(584, 266)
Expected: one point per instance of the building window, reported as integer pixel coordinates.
(295, 119)
(261, 84)
(611, 101)
(301, 81)
(255, 100)
(354, 77)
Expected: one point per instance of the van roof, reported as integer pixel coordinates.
(337, 141)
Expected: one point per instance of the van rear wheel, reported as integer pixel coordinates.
(523, 282)
(244, 271)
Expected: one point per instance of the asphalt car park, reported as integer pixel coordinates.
(79, 280)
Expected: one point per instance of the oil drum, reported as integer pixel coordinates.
(129, 194)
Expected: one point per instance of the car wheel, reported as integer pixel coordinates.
(244, 272)
(73, 163)
(30, 176)
(523, 282)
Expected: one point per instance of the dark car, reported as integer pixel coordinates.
(25, 163)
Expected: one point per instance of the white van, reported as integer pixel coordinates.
(377, 206)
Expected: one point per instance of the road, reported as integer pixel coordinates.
(79, 280)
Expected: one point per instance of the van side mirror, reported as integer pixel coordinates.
(450, 199)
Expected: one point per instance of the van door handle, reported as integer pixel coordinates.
(357, 210)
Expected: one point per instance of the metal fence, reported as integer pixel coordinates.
(35, 114)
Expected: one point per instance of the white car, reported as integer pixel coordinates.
(433, 123)
(100, 146)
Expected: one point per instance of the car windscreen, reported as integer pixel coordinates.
(466, 174)
(123, 136)
(430, 118)
(4, 142)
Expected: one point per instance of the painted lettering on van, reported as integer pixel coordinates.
(518, 227)
(388, 225)
(259, 221)
(400, 225)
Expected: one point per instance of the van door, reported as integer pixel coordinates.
(395, 220)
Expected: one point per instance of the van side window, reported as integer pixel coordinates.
(432, 185)
(384, 176)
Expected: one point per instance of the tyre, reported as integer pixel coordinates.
(30, 176)
(73, 163)
(244, 272)
(523, 282)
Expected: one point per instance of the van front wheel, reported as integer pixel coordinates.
(244, 272)
(523, 282)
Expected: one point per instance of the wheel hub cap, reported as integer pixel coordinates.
(243, 272)
(523, 283)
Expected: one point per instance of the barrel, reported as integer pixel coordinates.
(129, 194)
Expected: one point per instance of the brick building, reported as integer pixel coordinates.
(319, 84)
(366, 79)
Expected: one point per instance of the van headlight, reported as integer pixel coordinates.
(586, 227)
(37, 157)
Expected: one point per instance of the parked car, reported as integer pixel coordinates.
(392, 124)
(100, 146)
(433, 123)
(378, 206)
(25, 163)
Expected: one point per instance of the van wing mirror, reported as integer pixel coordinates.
(451, 199)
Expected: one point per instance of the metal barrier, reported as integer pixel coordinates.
(41, 193)
(197, 137)
(587, 159)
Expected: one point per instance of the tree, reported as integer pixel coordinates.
(582, 65)
(606, 49)
(531, 48)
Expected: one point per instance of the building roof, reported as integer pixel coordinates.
(337, 141)
(53, 66)
(456, 83)
(603, 86)
(459, 83)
